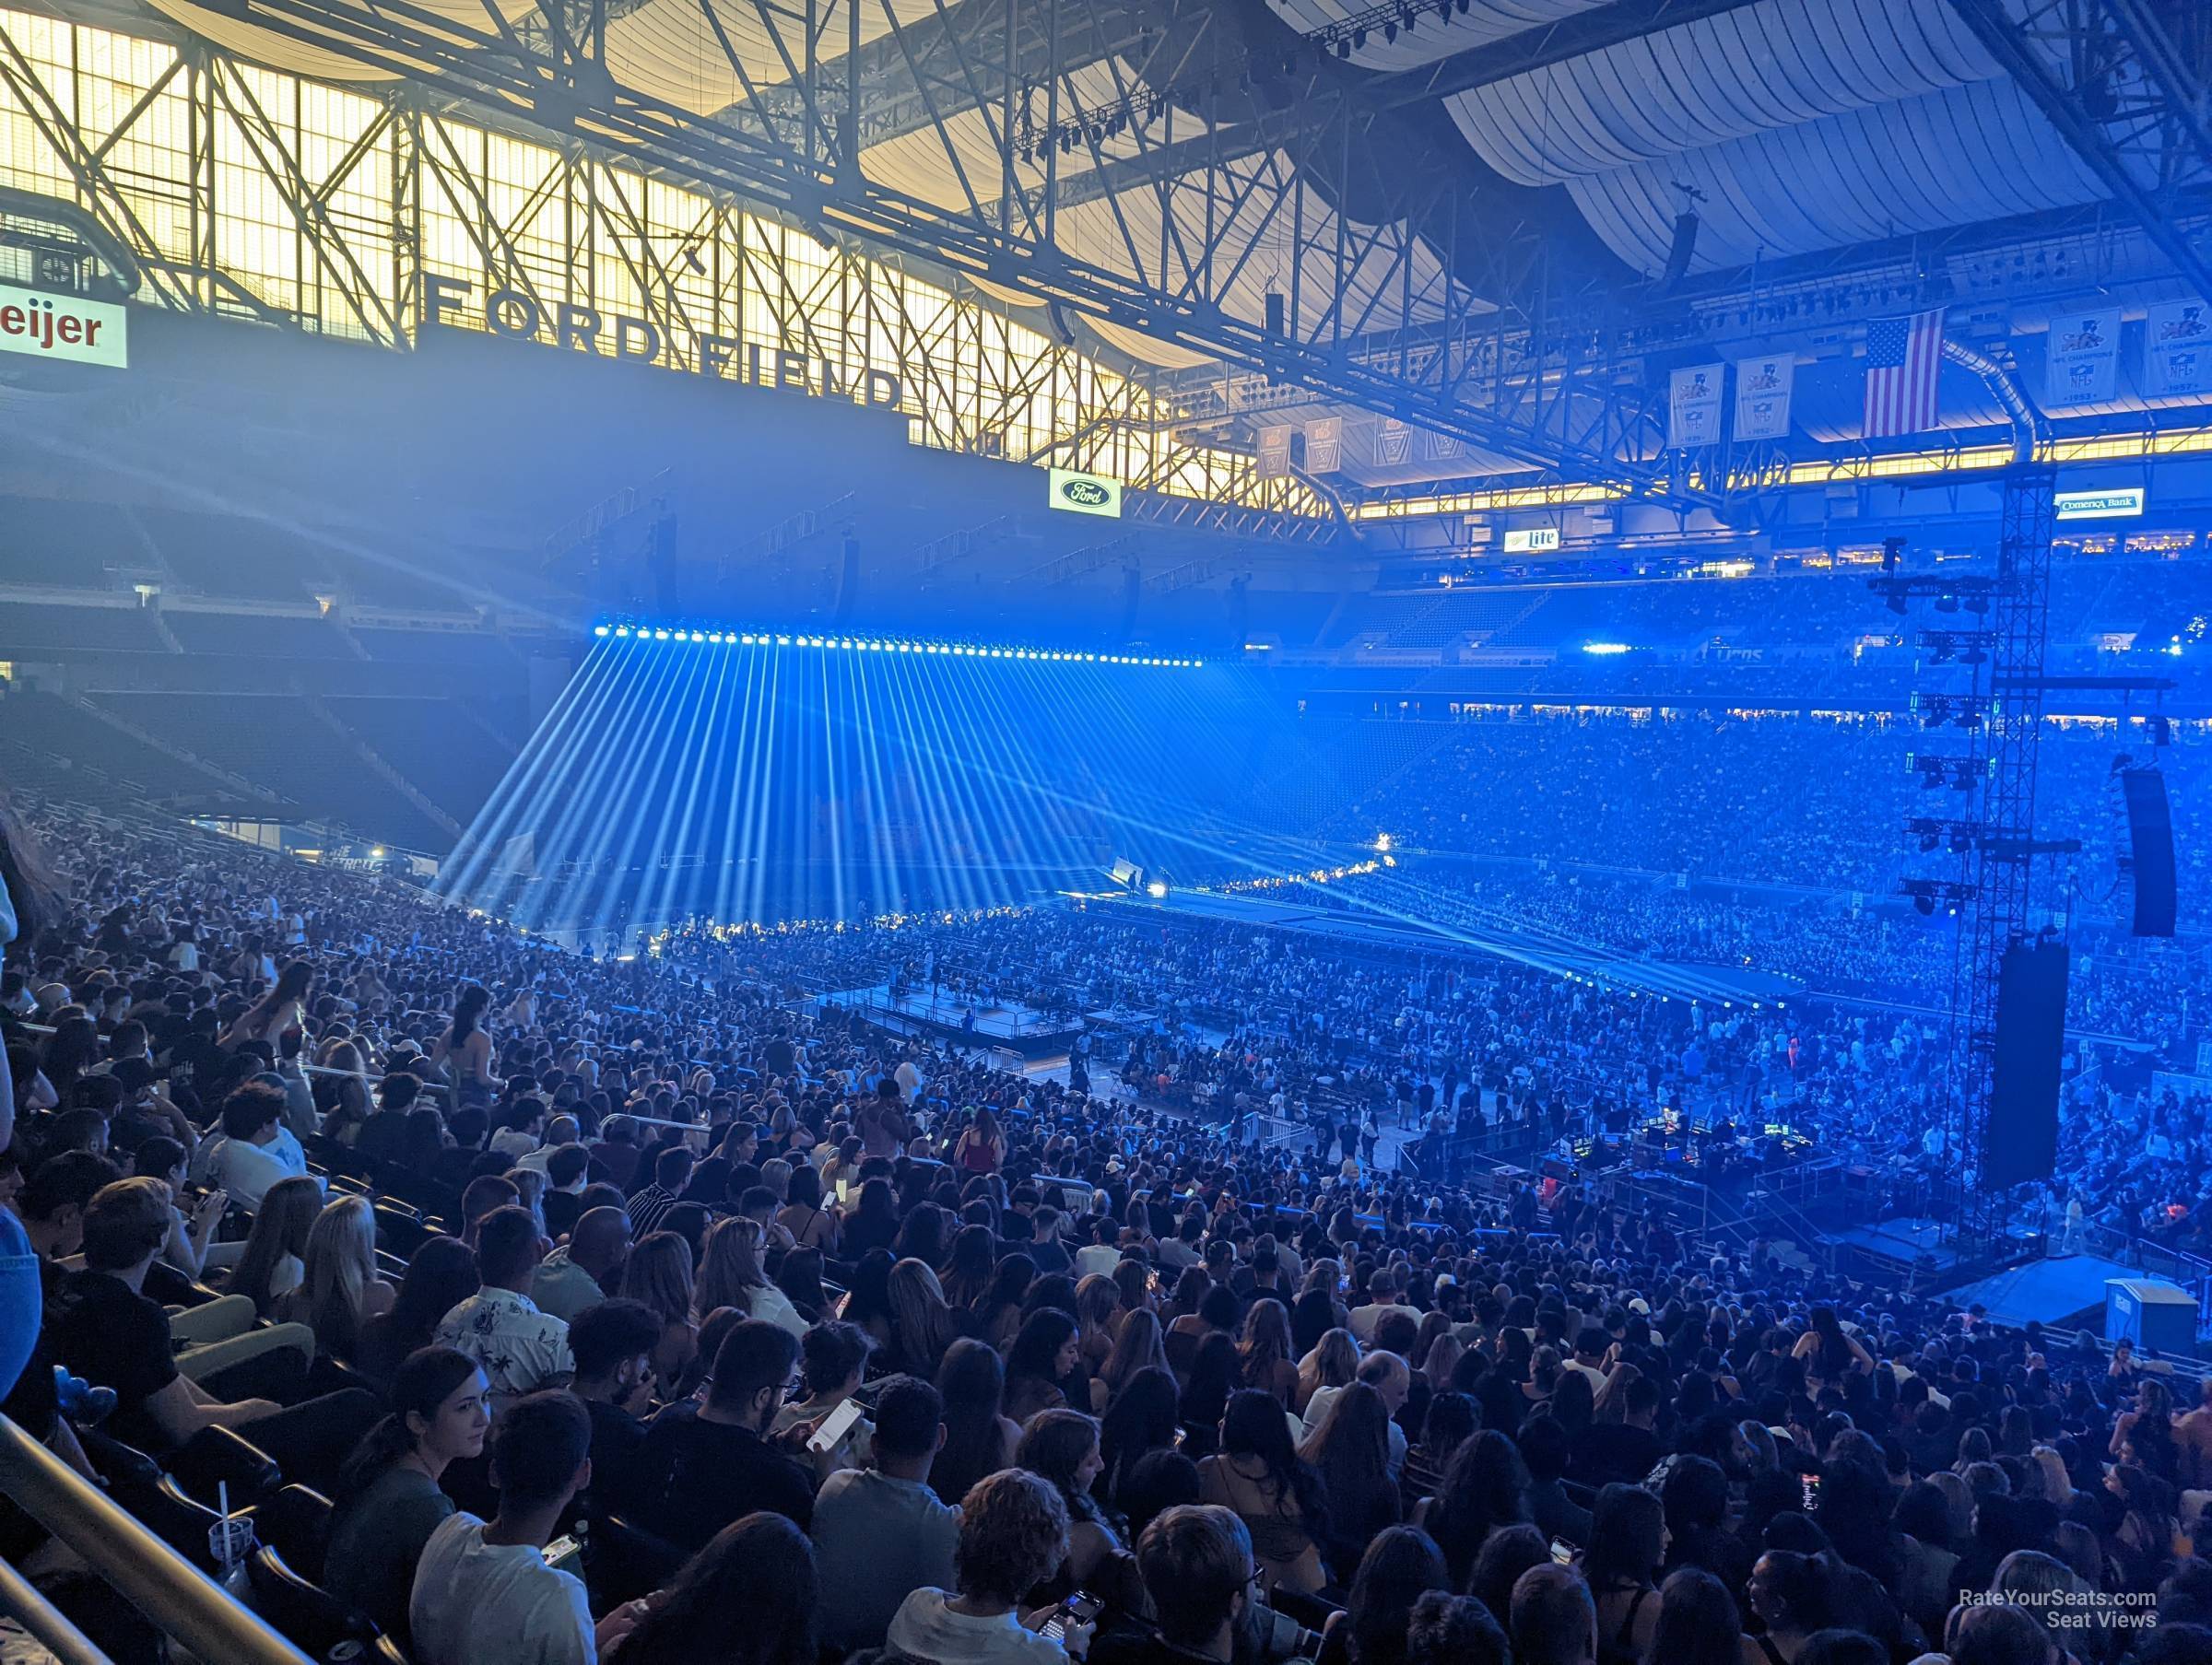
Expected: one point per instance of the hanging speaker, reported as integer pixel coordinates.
(2151, 842)
(1682, 251)
(2020, 1141)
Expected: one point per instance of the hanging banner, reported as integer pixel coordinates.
(2083, 366)
(1762, 397)
(2177, 349)
(1274, 453)
(1394, 444)
(1444, 448)
(1324, 445)
(1693, 407)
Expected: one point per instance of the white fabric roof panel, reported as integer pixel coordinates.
(921, 163)
(1259, 246)
(1763, 67)
(669, 49)
(1433, 37)
(1967, 153)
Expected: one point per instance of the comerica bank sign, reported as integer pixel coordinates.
(518, 316)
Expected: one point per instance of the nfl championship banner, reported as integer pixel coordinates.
(1274, 453)
(2177, 349)
(1762, 397)
(1324, 445)
(2083, 366)
(1693, 407)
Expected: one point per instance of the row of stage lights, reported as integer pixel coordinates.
(733, 639)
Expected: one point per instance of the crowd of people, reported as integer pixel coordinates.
(822, 1342)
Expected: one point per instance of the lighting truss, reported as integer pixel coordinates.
(809, 640)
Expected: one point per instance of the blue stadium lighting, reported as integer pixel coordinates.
(856, 644)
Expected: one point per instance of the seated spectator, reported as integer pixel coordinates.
(1196, 1563)
(1350, 1452)
(1544, 1452)
(1259, 1476)
(703, 1466)
(880, 1532)
(1399, 1566)
(441, 1273)
(256, 1149)
(730, 1275)
(658, 1272)
(339, 1291)
(577, 1274)
(1454, 1630)
(388, 1501)
(979, 1438)
(270, 1263)
(1628, 1541)
(483, 1592)
(109, 1332)
(1013, 1536)
(612, 1345)
(692, 1619)
(832, 1358)
(1554, 1622)
(521, 1349)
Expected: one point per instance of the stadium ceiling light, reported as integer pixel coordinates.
(732, 639)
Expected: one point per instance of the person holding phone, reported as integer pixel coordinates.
(1013, 1536)
(880, 1533)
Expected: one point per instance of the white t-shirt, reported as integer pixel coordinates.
(477, 1603)
(924, 1628)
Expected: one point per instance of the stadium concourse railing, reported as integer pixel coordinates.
(176, 1598)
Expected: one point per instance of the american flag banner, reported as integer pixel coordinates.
(1903, 357)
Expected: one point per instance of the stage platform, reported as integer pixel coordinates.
(1008, 1025)
(2067, 1290)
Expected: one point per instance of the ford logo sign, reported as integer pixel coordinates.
(1088, 493)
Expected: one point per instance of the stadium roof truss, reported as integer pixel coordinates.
(1477, 218)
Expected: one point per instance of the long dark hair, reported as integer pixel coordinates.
(1698, 1621)
(690, 1624)
(1484, 1487)
(468, 1013)
(1399, 1566)
(1253, 1425)
(32, 888)
(972, 1384)
(1038, 1345)
(425, 1378)
(1142, 1418)
(440, 1274)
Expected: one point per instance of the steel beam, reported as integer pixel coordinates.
(2115, 143)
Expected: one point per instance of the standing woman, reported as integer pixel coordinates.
(339, 1291)
(982, 1146)
(281, 1009)
(464, 1051)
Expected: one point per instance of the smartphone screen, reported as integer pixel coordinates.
(1082, 1608)
(844, 1189)
(1812, 1493)
(1562, 1552)
(835, 1426)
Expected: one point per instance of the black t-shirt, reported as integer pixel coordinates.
(113, 1337)
(694, 1477)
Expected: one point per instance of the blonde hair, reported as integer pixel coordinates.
(920, 1317)
(288, 1214)
(729, 1267)
(341, 1262)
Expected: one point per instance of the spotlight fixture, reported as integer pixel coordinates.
(860, 644)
